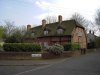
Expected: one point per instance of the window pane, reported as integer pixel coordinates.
(46, 32)
(60, 31)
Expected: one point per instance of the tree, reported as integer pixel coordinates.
(98, 42)
(81, 20)
(97, 18)
(1, 32)
(12, 33)
(17, 35)
(22, 30)
(8, 29)
(51, 19)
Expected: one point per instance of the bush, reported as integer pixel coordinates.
(97, 42)
(21, 47)
(1, 48)
(56, 49)
(67, 47)
(70, 46)
(91, 45)
(75, 47)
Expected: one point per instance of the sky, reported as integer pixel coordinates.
(24, 12)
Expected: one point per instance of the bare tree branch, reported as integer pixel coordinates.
(51, 19)
(97, 18)
(9, 28)
(81, 20)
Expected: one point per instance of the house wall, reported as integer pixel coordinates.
(79, 36)
(52, 40)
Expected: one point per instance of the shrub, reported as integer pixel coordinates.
(67, 47)
(56, 49)
(1, 48)
(91, 45)
(97, 42)
(21, 47)
(71, 46)
(75, 47)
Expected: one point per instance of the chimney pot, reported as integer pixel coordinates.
(59, 18)
(28, 27)
(90, 31)
(43, 23)
(93, 32)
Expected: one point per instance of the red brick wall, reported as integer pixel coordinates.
(82, 40)
(52, 40)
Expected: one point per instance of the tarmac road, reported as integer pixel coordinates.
(88, 64)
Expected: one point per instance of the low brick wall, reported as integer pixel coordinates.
(64, 54)
(90, 50)
(71, 53)
(15, 55)
(48, 55)
(45, 55)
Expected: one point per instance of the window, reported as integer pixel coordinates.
(79, 34)
(32, 34)
(59, 31)
(46, 32)
(46, 44)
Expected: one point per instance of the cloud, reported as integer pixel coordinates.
(52, 9)
(67, 7)
(43, 4)
(27, 1)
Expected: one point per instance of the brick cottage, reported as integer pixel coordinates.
(60, 32)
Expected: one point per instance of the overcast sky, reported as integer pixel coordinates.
(24, 12)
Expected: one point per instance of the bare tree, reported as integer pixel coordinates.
(22, 30)
(1, 32)
(97, 18)
(81, 20)
(51, 19)
(9, 28)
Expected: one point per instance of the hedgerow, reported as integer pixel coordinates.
(21, 47)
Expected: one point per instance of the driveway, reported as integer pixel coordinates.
(88, 64)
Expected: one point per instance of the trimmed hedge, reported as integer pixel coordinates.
(21, 47)
(71, 47)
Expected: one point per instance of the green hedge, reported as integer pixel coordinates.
(75, 47)
(67, 47)
(71, 46)
(1, 48)
(21, 47)
(97, 42)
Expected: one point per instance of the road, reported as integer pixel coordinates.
(88, 64)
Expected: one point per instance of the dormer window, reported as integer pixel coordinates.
(32, 34)
(60, 31)
(46, 32)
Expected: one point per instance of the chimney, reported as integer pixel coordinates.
(28, 27)
(43, 23)
(90, 31)
(93, 32)
(59, 18)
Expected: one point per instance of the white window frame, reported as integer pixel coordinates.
(32, 34)
(46, 32)
(59, 31)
